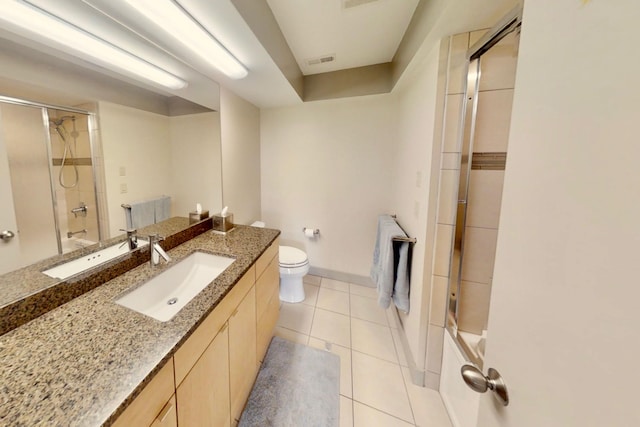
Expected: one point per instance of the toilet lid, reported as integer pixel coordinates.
(291, 257)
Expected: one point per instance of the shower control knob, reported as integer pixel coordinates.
(480, 383)
(6, 235)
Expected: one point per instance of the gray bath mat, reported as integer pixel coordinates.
(296, 386)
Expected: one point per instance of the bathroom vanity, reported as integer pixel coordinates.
(94, 362)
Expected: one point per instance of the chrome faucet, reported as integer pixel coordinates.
(70, 234)
(156, 250)
(132, 238)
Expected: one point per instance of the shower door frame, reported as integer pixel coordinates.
(510, 23)
(45, 117)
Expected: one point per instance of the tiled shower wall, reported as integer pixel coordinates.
(495, 97)
(84, 191)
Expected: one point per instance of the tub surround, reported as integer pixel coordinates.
(27, 293)
(85, 361)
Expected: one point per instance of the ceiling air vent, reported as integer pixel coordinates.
(353, 3)
(322, 60)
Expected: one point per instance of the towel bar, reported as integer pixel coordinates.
(404, 239)
(411, 240)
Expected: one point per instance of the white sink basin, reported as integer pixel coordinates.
(94, 259)
(164, 296)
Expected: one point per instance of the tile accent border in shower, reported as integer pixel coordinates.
(489, 161)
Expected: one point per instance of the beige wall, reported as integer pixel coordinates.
(240, 139)
(196, 163)
(329, 165)
(416, 96)
(139, 142)
(174, 156)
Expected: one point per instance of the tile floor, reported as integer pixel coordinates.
(375, 389)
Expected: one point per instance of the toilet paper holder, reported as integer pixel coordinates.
(316, 231)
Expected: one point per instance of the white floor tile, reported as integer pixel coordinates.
(365, 416)
(395, 333)
(333, 300)
(363, 291)
(332, 327)
(336, 285)
(312, 280)
(290, 335)
(379, 384)
(428, 409)
(373, 339)
(297, 317)
(345, 363)
(346, 412)
(310, 294)
(368, 309)
(391, 316)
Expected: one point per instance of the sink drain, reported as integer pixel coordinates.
(172, 301)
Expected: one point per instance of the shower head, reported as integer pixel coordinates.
(57, 122)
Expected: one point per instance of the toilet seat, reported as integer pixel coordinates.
(290, 257)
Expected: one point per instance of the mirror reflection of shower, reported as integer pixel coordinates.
(72, 180)
(49, 186)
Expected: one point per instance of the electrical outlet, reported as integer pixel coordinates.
(418, 179)
(123, 171)
(123, 188)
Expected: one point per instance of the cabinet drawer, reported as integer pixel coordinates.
(266, 285)
(150, 402)
(266, 257)
(192, 349)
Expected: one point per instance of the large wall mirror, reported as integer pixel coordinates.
(77, 144)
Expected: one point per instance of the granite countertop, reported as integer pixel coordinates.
(27, 280)
(82, 363)
(27, 293)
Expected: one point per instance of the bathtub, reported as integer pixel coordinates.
(461, 402)
(73, 243)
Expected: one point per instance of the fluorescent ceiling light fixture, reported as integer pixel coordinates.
(171, 17)
(40, 22)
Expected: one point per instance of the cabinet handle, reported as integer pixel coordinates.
(234, 312)
(166, 411)
(223, 328)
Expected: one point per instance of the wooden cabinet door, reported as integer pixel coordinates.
(267, 306)
(203, 396)
(167, 417)
(151, 401)
(242, 353)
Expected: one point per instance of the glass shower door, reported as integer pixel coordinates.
(487, 115)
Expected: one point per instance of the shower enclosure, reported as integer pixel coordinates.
(48, 180)
(484, 131)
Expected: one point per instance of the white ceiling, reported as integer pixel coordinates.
(367, 33)
(363, 35)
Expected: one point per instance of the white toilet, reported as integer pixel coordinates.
(294, 265)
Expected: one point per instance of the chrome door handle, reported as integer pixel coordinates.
(6, 235)
(476, 381)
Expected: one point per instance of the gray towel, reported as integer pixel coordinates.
(141, 214)
(162, 208)
(390, 265)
